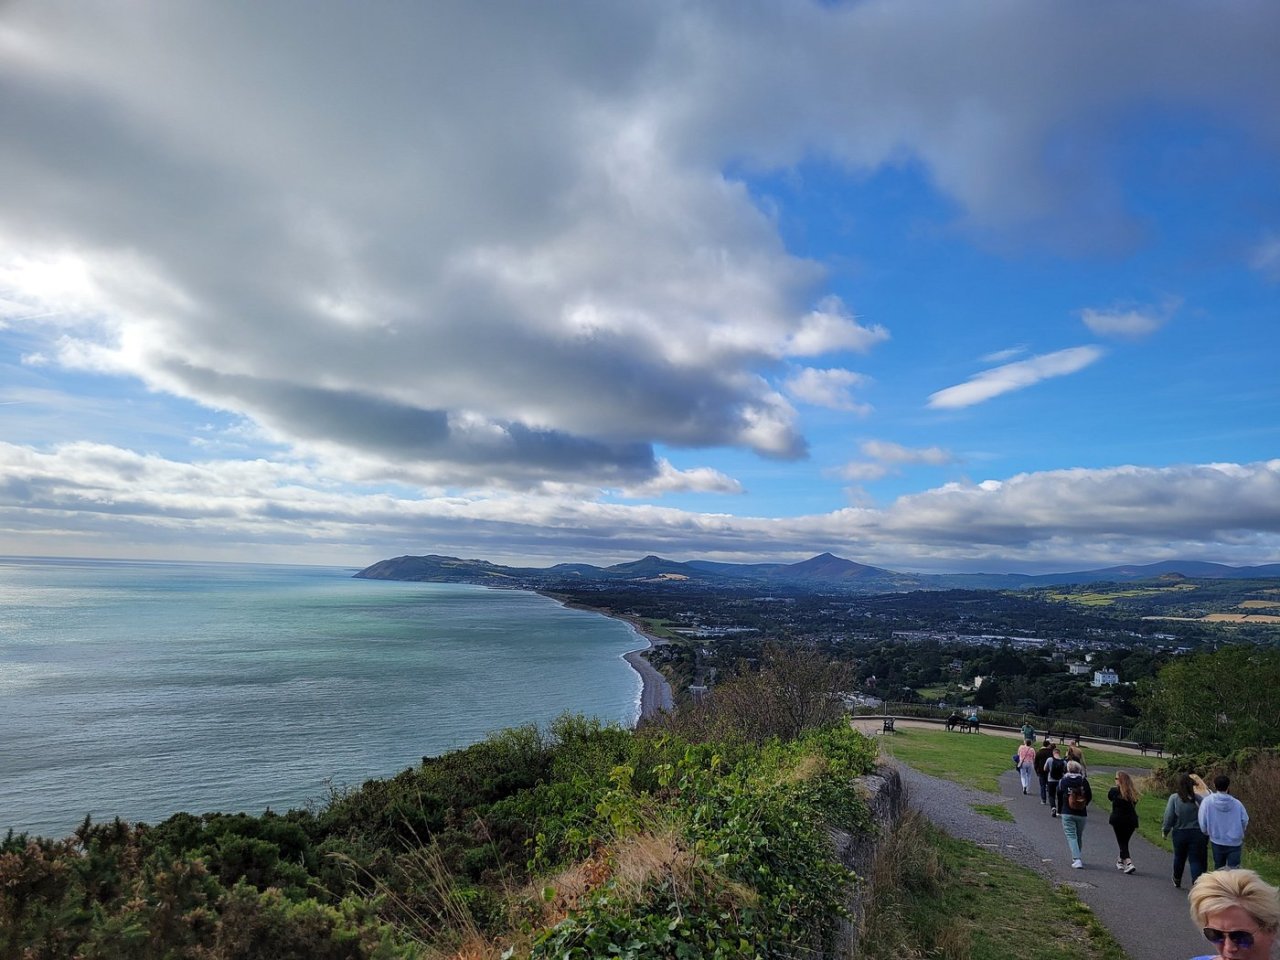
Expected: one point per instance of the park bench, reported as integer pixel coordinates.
(888, 724)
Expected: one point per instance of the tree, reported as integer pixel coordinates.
(1215, 702)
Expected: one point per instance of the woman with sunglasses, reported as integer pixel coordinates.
(1239, 913)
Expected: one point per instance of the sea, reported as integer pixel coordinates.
(139, 689)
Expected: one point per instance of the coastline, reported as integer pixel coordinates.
(655, 691)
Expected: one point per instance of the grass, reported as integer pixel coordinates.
(978, 760)
(935, 896)
(1151, 813)
(996, 811)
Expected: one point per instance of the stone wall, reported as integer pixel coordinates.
(887, 799)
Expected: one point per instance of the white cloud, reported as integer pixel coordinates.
(1129, 323)
(1266, 258)
(828, 388)
(888, 458)
(890, 452)
(96, 500)
(832, 328)
(544, 273)
(1015, 376)
(1002, 356)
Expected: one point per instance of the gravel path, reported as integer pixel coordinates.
(950, 806)
(1144, 911)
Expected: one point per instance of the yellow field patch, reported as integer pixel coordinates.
(1258, 604)
(1240, 618)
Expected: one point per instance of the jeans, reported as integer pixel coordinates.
(1123, 832)
(1025, 772)
(1191, 848)
(1073, 827)
(1053, 793)
(1224, 856)
(1044, 789)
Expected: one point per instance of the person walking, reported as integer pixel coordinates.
(1224, 819)
(1028, 731)
(1075, 753)
(1074, 797)
(1042, 757)
(1124, 817)
(1182, 824)
(1055, 769)
(1026, 764)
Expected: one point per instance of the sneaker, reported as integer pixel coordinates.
(1119, 864)
(1077, 864)
(1024, 791)
(1053, 813)
(1129, 867)
(1177, 883)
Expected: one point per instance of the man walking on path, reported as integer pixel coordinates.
(1042, 757)
(1224, 819)
(1055, 768)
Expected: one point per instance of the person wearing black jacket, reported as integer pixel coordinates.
(1042, 757)
(1124, 817)
(1074, 797)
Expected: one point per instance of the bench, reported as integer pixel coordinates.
(888, 725)
(1144, 748)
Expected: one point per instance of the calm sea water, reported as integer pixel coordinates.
(141, 689)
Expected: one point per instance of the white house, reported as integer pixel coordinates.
(1105, 678)
(1078, 669)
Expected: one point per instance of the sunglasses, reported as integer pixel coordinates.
(1241, 938)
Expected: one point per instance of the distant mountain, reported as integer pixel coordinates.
(825, 571)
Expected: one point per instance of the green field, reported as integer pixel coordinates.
(978, 760)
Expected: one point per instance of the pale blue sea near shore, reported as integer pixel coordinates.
(141, 689)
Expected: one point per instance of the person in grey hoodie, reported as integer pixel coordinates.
(1224, 819)
(1182, 819)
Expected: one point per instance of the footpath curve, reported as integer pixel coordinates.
(1143, 910)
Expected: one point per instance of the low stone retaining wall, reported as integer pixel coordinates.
(887, 801)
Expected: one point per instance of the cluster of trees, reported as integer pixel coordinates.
(1215, 703)
(705, 835)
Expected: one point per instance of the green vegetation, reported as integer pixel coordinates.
(580, 841)
(1215, 703)
(978, 760)
(996, 811)
(935, 896)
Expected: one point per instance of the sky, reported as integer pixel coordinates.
(931, 286)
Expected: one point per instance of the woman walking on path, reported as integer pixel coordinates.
(1124, 817)
(1074, 797)
(1026, 764)
(1182, 820)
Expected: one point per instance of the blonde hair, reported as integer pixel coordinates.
(1224, 889)
(1127, 788)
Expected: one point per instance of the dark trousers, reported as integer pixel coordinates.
(1123, 832)
(1044, 788)
(1052, 786)
(1191, 848)
(1225, 856)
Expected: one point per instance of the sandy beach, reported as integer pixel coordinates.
(655, 692)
